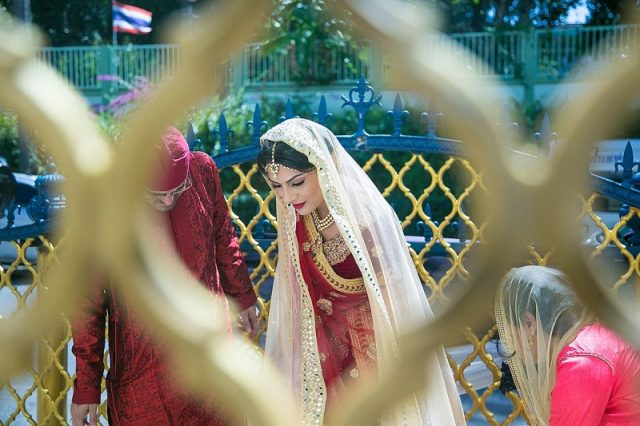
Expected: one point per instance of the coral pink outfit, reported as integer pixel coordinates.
(597, 381)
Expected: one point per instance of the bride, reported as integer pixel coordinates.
(345, 285)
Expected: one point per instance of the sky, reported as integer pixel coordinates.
(578, 14)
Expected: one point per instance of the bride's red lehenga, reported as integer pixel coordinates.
(343, 322)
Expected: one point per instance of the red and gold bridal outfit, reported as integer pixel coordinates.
(142, 388)
(324, 308)
(344, 327)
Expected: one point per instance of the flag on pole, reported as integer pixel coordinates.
(130, 19)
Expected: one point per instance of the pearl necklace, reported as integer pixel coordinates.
(322, 224)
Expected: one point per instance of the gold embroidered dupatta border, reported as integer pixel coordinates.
(313, 389)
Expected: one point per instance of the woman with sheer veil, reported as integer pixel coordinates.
(345, 285)
(568, 368)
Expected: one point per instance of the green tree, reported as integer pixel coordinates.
(481, 15)
(88, 22)
(309, 31)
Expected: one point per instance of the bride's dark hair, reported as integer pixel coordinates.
(283, 155)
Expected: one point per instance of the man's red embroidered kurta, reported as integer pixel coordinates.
(142, 389)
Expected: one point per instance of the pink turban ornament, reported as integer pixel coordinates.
(174, 163)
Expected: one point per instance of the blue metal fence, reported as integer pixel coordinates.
(362, 97)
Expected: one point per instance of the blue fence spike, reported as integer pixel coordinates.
(361, 106)
(631, 236)
(7, 192)
(454, 226)
(510, 126)
(48, 200)
(431, 118)
(545, 129)
(192, 140)
(288, 111)
(224, 133)
(627, 164)
(427, 232)
(462, 232)
(263, 228)
(256, 126)
(322, 117)
(424, 230)
(397, 113)
(545, 136)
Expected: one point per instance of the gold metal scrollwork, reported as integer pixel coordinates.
(99, 181)
(100, 234)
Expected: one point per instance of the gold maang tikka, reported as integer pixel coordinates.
(274, 166)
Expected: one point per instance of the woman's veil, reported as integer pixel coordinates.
(371, 230)
(539, 297)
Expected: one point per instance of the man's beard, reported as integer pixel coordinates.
(161, 207)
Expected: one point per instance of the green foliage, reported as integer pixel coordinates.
(38, 155)
(309, 31)
(88, 22)
(299, 25)
(205, 119)
(9, 147)
(110, 124)
(482, 15)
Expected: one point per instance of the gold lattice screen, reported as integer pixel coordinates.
(517, 213)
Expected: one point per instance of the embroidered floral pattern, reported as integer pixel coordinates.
(325, 305)
(354, 373)
(335, 250)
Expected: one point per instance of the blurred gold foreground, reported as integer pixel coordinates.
(98, 233)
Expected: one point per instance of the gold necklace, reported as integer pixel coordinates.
(322, 224)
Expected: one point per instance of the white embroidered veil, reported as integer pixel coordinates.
(395, 294)
(544, 293)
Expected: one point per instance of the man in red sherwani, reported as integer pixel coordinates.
(141, 387)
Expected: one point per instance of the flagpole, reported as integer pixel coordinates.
(114, 43)
(114, 33)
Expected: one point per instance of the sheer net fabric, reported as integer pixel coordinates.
(371, 231)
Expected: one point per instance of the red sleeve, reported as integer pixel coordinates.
(87, 329)
(234, 276)
(581, 392)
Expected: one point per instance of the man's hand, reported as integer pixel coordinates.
(79, 413)
(248, 320)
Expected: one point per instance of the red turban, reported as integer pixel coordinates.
(174, 165)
